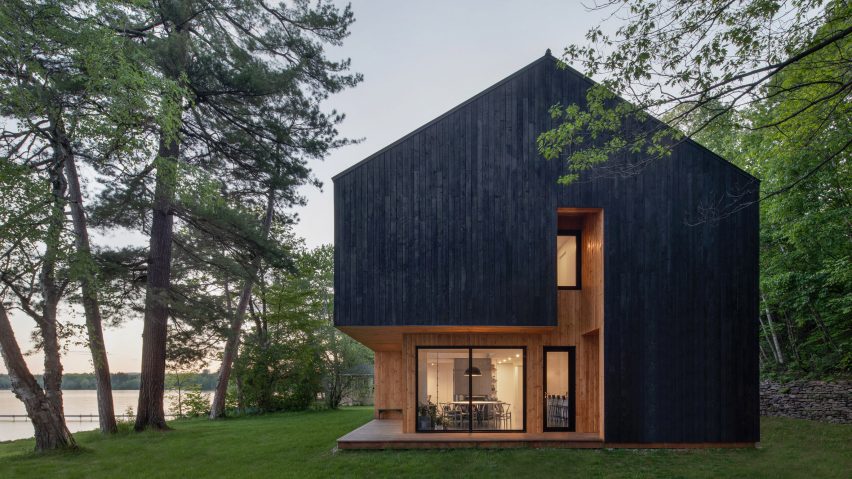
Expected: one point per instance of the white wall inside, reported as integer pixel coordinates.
(557, 373)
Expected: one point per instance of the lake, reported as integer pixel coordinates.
(76, 402)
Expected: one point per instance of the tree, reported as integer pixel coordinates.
(48, 423)
(698, 63)
(68, 88)
(89, 298)
(35, 279)
(294, 350)
(24, 225)
(217, 409)
(341, 354)
(255, 74)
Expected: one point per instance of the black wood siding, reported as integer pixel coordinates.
(455, 225)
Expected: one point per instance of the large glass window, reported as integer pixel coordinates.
(568, 259)
(559, 408)
(470, 389)
(440, 384)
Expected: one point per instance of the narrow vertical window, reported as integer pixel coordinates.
(568, 259)
(559, 388)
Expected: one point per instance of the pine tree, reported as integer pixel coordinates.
(255, 76)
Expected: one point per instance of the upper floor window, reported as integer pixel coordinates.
(568, 259)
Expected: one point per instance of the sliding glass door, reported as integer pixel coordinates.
(469, 389)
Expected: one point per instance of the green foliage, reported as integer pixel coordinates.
(249, 78)
(23, 197)
(680, 60)
(196, 403)
(281, 375)
(185, 392)
(294, 354)
(69, 85)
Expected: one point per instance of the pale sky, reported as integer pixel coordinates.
(419, 59)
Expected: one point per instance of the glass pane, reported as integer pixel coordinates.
(498, 389)
(557, 392)
(442, 389)
(566, 261)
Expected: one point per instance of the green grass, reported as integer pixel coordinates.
(300, 445)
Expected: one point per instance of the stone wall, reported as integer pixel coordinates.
(815, 400)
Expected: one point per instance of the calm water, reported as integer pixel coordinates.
(76, 402)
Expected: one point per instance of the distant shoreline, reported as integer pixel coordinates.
(125, 381)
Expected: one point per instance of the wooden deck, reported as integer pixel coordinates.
(387, 434)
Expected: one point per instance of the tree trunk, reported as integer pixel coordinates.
(51, 290)
(768, 339)
(772, 329)
(791, 334)
(822, 327)
(232, 344)
(238, 380)
(48, 423)
(150, 412)
(91, 308)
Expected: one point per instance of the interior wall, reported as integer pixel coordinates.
(440, 382)
(481, 385)
(511, 374)
(556, 382)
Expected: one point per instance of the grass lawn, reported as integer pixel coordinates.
(300, 445)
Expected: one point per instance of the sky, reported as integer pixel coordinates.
(419, 59)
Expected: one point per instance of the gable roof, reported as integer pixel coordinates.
(523, 70)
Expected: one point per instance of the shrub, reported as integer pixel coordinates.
(196, 403)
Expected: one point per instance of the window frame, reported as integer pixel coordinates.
(572, 388)
(578, 234)
(470, 429)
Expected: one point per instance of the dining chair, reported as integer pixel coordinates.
(503, 415)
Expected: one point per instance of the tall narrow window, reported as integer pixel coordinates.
(559, 406)
(568, 259)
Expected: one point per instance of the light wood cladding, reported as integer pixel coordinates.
(389, 396)
(593, 273)
(588, 383)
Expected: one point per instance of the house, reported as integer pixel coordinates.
(506, 309)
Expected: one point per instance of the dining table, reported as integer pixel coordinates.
(480, 407)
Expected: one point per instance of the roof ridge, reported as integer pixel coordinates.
(562, 65)
(452, 110)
